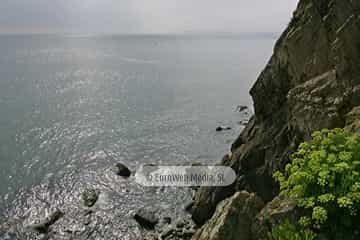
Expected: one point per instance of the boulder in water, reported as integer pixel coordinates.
(90, 197)
(167, 220)
(241, 108)
(43, 225)
(122, 170)
(146, 218)
(223, 128)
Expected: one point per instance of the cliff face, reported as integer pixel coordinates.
(311, 82)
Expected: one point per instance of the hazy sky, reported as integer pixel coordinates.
(144, 16)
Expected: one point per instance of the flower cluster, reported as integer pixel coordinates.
(324, 178)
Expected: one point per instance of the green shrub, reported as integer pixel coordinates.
(288, 231)
(324, 178)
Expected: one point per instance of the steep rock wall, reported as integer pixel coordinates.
(311, 82)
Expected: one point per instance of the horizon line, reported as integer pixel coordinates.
(188, 33)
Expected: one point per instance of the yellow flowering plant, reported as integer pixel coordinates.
(324, 178)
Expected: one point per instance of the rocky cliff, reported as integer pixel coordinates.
(311, 82)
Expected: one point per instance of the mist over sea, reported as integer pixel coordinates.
(73, 106)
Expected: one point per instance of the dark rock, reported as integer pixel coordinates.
(167, 233)
(188, 233)
(232, 219)
(189, 206)
(44, 224)
(243, 122)
(149, 165)
(180, 223)
(90, 197)
(167, 220)
(194, 188)
(206, 198)
(196, 164)
(274, 213)
(241, 108)
(146, 218)
(122, 170)
(88, 212)
(223, 128)
(87, 220)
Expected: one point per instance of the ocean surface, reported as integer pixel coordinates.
(73, 106)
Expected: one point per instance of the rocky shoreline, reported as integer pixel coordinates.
(85, 218)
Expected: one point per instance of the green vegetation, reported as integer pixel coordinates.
(288, 231)
(324, 179)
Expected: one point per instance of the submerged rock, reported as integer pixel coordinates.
(180, 223)
(241, 108)
(146, 218)
(122, 170)
(222, 128)
(44, 224)
(166, 220)
(90, 197)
